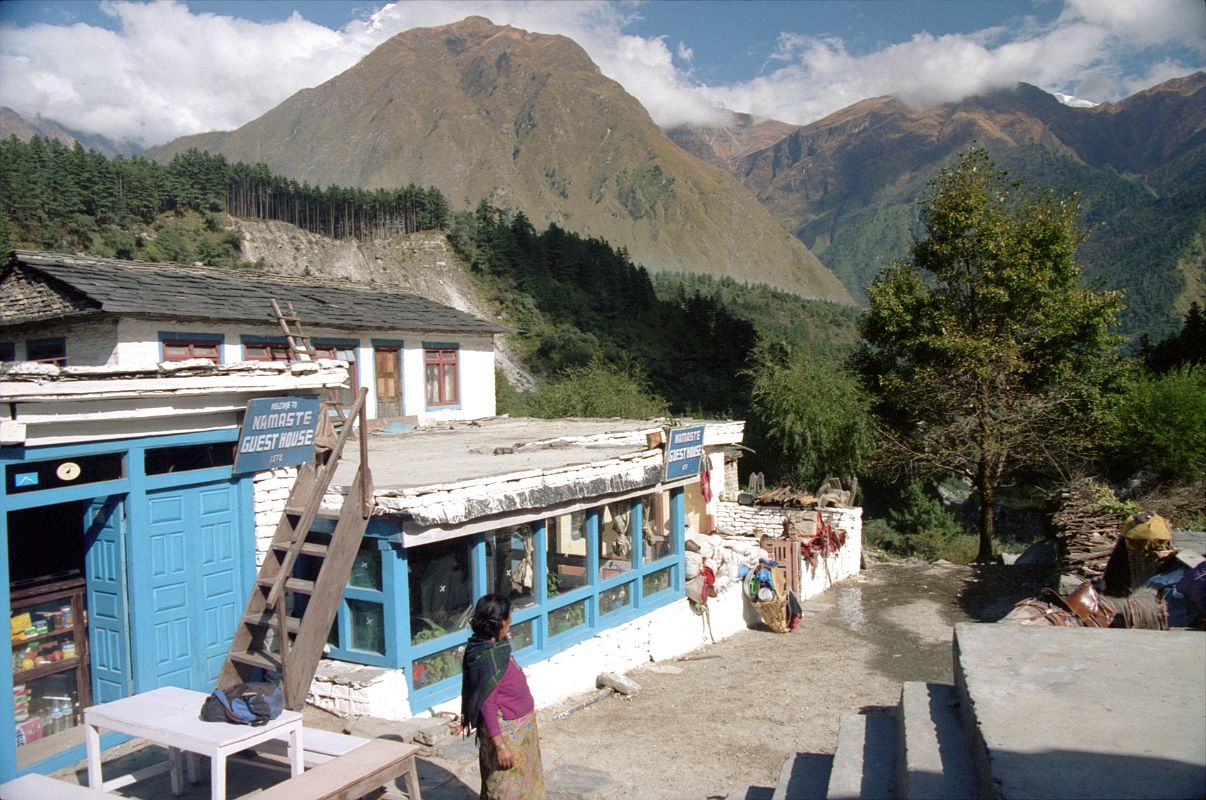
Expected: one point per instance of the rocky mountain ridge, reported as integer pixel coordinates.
(848, 185)
(527, 122)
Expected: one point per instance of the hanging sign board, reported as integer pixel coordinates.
(277, 432)
(684, 450)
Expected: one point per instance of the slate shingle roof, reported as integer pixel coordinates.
(205, 293)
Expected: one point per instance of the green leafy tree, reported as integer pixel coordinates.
(811, 417)
(1162, 423)
(984, 354)
(598, 389)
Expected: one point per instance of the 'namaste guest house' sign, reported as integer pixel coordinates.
(277, 432)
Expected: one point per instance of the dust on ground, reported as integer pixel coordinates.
(726, 717)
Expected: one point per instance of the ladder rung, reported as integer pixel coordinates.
(268, 619)
(257, 659)
(293, 585)
(307, 549)
(323, 513)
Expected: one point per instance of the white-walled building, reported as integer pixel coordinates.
(417, 358)
(119, 498)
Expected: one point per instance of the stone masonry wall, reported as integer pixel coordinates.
(272, 489)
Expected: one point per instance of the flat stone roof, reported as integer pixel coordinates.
(447, 474)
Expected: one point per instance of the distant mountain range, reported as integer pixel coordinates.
(13, 124)
(526, 121)
(848, 185)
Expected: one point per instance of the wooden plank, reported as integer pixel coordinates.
(327, 595)
(352, 775)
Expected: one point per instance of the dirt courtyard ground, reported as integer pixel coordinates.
(714, 722)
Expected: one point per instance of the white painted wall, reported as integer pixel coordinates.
(665, 633)
(136, 343)
(90, 342)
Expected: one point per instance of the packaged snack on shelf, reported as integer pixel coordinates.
(29, 731)
(18, 624)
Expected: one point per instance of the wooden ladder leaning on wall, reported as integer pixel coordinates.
(285, 624)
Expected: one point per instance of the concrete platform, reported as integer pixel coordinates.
(1069, 713)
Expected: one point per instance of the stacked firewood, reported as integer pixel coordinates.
(1087, 521)
(786, 497)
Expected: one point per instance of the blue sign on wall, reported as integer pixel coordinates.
(684, 451)
(277, 432)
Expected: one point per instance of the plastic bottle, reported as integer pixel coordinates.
(67, 714)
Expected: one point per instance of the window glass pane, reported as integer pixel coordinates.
(269, 351)
(511, 564)
(436, 667)
(48, 351)
(37, 475)
(655, 516)
(433, 385)
(449, 395)
(567, 553)
(8, 351)
(656, 582)
(523, 635)
(366, 569)
(440, 590)
(615, 598)
(567, 618)
(368, 626)
(162, 460)
(181, 349)
(615, 538)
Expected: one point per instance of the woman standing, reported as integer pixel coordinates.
(496, 701)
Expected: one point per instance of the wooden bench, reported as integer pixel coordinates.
(318, 747)
(365, 771)
(42, 787)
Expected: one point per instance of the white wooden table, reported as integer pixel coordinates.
(170, 717)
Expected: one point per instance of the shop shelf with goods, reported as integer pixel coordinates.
(51, 683)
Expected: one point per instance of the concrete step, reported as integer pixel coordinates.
(935, 757)
(805, 776)
(864, 765)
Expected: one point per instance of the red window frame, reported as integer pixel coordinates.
(436, 365)
(266, 351)
(184, 349)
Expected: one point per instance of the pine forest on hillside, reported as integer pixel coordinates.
(573, 300)
(67, 198)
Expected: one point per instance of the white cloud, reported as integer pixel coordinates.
(1091, 50)
(167, 71)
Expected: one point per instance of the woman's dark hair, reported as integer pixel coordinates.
(489, 615)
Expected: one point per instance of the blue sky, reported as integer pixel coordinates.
(148, 72)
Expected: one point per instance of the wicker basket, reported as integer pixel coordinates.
(774, 614)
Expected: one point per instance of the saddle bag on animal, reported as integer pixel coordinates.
(244, 704)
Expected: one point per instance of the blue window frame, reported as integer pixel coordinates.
(568, 576)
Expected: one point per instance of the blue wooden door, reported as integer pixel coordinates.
(108, 618)
(194, 591)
